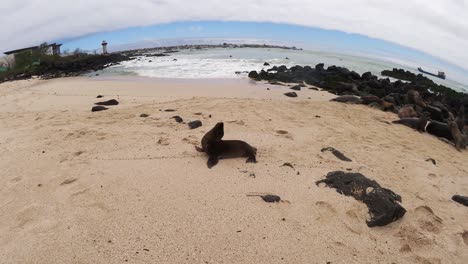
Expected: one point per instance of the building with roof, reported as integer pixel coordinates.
(51, 49)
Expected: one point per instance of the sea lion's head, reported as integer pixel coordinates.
(218, 131)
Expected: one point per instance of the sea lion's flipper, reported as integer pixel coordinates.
(212, 161)
(199, 149)
(251, 159)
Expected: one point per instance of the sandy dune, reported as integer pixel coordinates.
(113, 187)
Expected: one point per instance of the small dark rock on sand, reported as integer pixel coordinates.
(178, 119)
(296, 88)
(271, 198)
(99, 96)
(432, 160)
(382, 203)
(291, 94)
(169, 110)
(98, 108)
(109, 102)
(144, 115)
(195, 124)
(461, 199)
(337, 154)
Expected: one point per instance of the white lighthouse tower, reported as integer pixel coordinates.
(104, 47)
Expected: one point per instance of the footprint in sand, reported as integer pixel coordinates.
(16, 179)
(427, 220)
(413, 237)
(35, 216)
(163, 141)
(325, 211)
(191, 140)
(69, 181)
(465, 237)
(78, 153)
(238, 122)
(354, 222)
(423, 260)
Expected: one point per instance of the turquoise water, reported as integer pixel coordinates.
(225, 62)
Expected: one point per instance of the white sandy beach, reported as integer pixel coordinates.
(113, 187)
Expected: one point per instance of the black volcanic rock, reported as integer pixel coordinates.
(291, 94)
(109, 102)
(98, 108)
(382, 203)
(194, 124)
(253, 75)
(178, 119)
(461, 199)
(296, 87)
(266, 64)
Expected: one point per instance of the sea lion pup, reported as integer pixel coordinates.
(215, 134)
(348, 99)
(419, 124)
(439, 129)
(227, 149)
(459, 139)
(415, 98)
(224, 149)
(407, 112)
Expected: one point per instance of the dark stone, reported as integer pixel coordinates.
(169, 110)
(253, 75)
(264, 75)
(99, 96)
(282, 68)
(296, 87)
(461, 199)
(98, 108)
(144, 115)
(266, 64)
(178, 119)
(382, 203)
(432, 160)
(195, 124)
(291, 94)
(337, 154)
(271, 198)
(367, 76)
(354, 75)
(109, 102)
(319, 67)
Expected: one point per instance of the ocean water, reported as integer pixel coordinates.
(220, 63)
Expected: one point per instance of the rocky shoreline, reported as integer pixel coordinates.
(80, 64)
(416, 91)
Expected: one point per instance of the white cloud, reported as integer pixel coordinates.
(438, 27)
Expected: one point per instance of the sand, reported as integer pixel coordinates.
(114, 187)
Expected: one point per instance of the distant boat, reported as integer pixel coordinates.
(439, 74)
